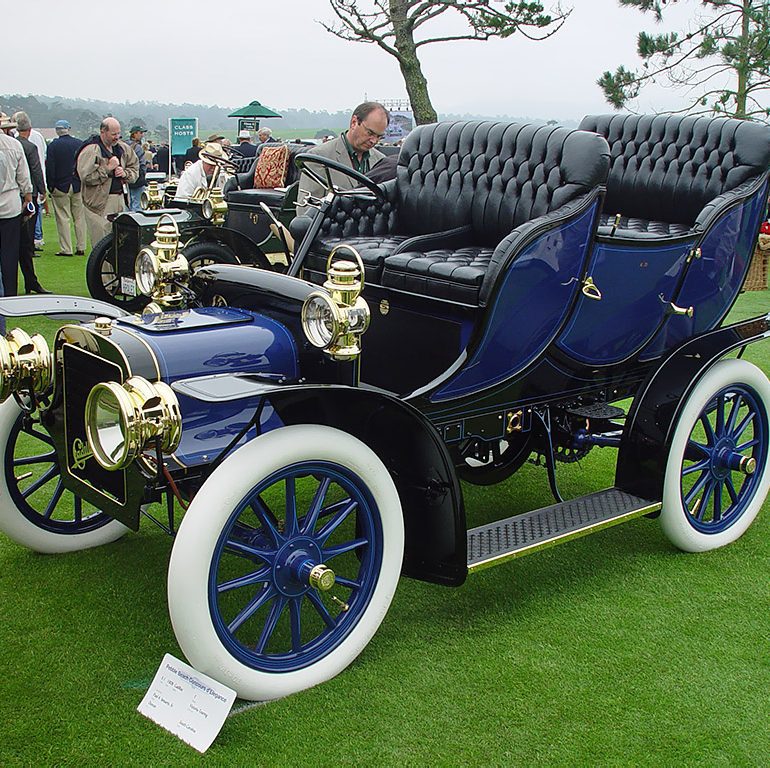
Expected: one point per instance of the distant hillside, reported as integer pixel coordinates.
(85, 115)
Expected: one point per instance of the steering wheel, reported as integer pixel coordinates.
(306, 159)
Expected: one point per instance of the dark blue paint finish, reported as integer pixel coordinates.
(636, 283)
(208, 428)
(280, 560)
(529, 307)
(712, 282)
(217, 340)
(212, 340)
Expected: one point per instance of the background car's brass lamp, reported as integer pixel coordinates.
(335, 321)
(124, 420)
(24, 361)
(214, 207)
(161, 267)
(151, 198)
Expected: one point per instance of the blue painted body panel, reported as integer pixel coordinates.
(636, 283)
(529, 308)
(210, 341)
(712, 282)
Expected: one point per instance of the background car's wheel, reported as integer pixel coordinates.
(103, 280)
(505, 457)
(248, 603)
(717, 475)
(203, 253)
(35, 509)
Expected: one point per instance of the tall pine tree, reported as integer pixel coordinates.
(722, 61)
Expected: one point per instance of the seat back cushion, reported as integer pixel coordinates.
(666, 168)
(270, 170)
(493, 176)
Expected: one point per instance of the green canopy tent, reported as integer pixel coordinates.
(248, 116)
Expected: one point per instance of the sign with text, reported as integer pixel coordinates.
(187, 703)
(181, 132)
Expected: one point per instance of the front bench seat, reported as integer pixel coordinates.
(461, 190)
(667, 170)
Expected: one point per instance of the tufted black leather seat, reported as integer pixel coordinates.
(460, 205)
(667, 170)
(240, 188)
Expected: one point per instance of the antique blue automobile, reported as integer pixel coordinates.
(502, 297)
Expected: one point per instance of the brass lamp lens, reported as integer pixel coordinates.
(320, 320)
(146, 271)
(107, 425)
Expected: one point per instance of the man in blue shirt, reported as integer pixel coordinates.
(64, 187)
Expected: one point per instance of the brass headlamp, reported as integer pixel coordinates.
(24, 361)
(161, 266)
(151, 198)
(124, 420)
(335, 320)
(214, 207)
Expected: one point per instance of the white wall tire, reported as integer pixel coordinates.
(708, 500)
(36, 511)
(241, 610)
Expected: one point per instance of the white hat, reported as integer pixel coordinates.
(244, 134)
(212, 151)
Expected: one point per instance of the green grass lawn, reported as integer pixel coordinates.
(613, 650)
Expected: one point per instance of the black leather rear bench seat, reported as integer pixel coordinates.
(666, 171)
(273, 197)
(638, 229)
(461, 191)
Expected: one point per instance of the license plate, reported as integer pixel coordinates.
(128, 286)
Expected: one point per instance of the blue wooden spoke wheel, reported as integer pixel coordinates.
(286, 561)
(35, 508)
(717, 475)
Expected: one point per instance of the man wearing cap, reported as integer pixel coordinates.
(15, 195)
(106, 166)
(27, 243)
(22, 118)
(64, 188)
(200, 172)
(245, 147)
(136, 134)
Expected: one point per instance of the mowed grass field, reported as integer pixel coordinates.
(613, 650)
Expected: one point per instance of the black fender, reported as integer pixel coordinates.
(244, 248)
(657, 406)
(406, 443)
(417, 459)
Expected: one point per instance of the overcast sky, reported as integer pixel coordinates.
(275, 51)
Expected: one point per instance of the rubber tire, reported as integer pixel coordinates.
(191, 557)
(673, 517)
(20, 528)
(95, 282)
(211, 253)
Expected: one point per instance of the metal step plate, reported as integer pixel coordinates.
(520, 535)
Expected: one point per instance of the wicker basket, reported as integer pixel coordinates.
(756, 279)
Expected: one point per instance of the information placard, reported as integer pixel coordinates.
(187, 703)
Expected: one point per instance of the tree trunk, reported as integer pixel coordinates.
(743, 65)
(416, 84)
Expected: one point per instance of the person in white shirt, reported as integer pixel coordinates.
(15, 184)
(200, 172)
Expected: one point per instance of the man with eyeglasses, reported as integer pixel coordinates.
(354, 148)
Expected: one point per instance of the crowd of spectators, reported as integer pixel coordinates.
(86, 181)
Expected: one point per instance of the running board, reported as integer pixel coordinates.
(503, 540)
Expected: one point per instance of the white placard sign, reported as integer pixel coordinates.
(187, 703)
